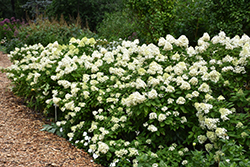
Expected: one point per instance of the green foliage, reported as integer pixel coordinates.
(154, 18)
(90, 11)
(12, 8)
(53, 128)
(34, 8)
(117, 25)
(12, 44)
(190, 19)
(233, 17)
(9, 28)
(46, 31)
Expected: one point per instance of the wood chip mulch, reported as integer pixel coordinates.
(21, 141)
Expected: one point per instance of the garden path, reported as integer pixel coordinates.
(21, 141)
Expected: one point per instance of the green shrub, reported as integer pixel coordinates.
(233, 17)
(12, 44)
(90, 11)
(9, 28)
(46, 31)
(153, 18)
(117, 25)
(190, 19)
(145, 105)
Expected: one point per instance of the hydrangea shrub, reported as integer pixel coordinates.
(145, 105)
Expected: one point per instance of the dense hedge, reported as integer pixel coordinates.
(144, 105)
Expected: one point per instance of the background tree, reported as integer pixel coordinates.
(154, 18)
(190, 19)
(233, 17)
(12, 8)
(90, 11)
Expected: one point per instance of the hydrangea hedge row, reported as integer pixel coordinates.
(144, 105)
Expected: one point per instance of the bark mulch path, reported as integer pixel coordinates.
(21, 141)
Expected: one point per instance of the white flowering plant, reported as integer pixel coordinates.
(144, 105)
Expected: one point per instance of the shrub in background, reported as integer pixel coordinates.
(190, 19)
(90, 11)
(145, 105)
(116, 25)
(233, 17)
(153, 18)
(34, 7)
(12, 8)
(43, 30)
(9, 28)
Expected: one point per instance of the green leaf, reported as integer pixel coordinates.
(53, 130)
(183, 109)
(162, 124)
(145, 110)
(168, 122)
(153, 109)
(162, 164)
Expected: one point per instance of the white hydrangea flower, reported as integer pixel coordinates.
(204, 88)
(224, 113)
(152, 128)
(152, 94)
(70, 135)
(140, 84)
(189, 96)
(167, 46)
(195, 93)
(120, 153)
(185, 85)
(182, 41)
(170, 100)
(161, 117)
(239, 125)
(202, 139)
(170, 38)
(220, 98)
(181, 100)
(171, 148)
(161, 41)
(184, 162)
(221, 133)
(191, 51)
(153, 81)
(133, 99)
(153, 115)
(176, 113)
(155, 165)
(133, 152)
(214, 76)
(183, 119)
(208, 97)
(211, 123)
(193, 81)
(170, 89)
(211, 136)
(103, 147)
(164, 109)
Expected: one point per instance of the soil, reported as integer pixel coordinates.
(21, 141)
